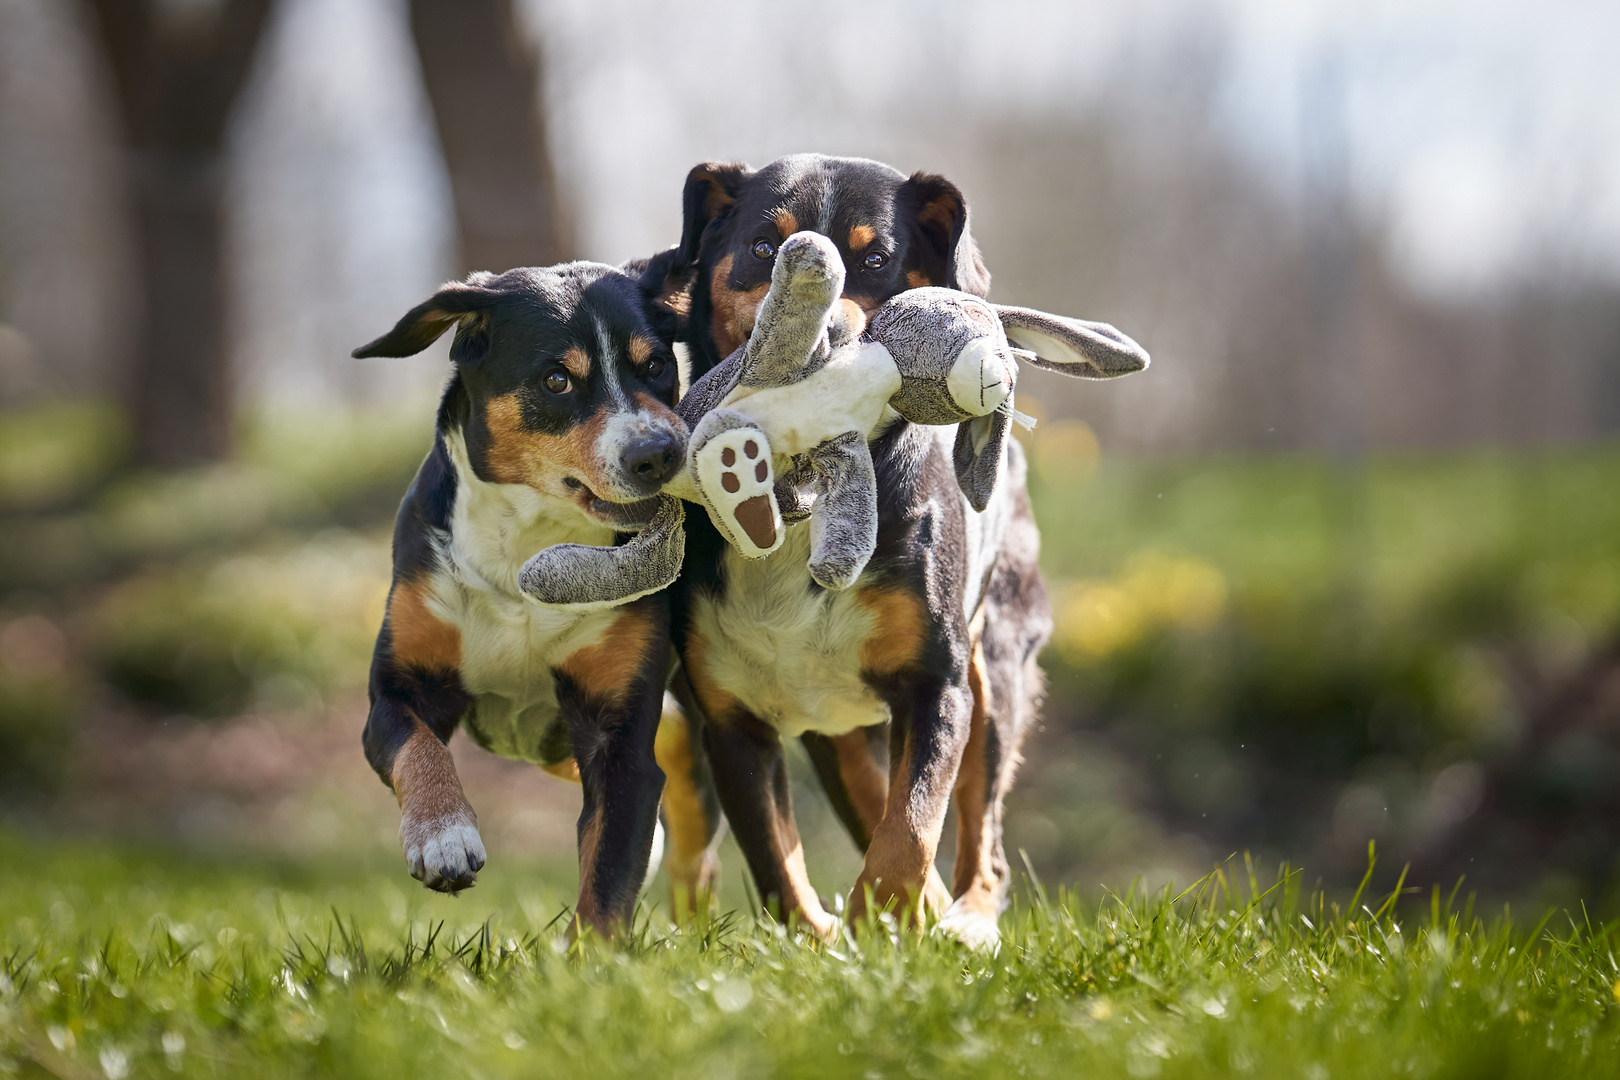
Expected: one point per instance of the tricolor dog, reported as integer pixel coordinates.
(928, 658)
(556, 426)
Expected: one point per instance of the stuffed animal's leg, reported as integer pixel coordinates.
(730, 465)
(584, 578)
(843, 523)
(790, 330)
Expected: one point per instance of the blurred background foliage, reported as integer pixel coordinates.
(1343, 565)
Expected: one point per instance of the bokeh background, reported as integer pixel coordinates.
(1343, 566)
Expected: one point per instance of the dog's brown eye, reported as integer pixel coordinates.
(764, 249)
(655, 367)
(558, 383)
(875, 260)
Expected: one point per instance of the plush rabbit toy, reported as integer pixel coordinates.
(780, 429)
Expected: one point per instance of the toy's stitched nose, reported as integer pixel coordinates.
(651, 459)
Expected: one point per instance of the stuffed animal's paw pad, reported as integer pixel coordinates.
(746, 508)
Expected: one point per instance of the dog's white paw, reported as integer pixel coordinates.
(971, 927)
(444, 854)
(734, 472)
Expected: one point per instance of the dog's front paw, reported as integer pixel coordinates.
(734, 472)
(971, 926)
(444, 853)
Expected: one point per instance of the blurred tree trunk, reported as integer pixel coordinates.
(177, 70)
(483, 79)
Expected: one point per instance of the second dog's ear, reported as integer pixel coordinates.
(1085, 350)
(950, 257)
(463, 304)
(711, 190)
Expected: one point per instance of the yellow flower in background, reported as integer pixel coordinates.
(1063, 449)
(1154, 591)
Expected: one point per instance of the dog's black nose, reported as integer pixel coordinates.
(652, 459)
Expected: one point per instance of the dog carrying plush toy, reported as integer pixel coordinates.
(815, 382)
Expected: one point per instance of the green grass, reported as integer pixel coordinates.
(127, 964)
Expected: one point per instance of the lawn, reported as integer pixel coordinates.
(121, 963)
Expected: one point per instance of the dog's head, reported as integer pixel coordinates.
(895, 233)
(561, 385)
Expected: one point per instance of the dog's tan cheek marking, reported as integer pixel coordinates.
(860, 236)
(605, 671)
(517, 455)
(734, 309)
(918, 279)
(972, 876)
(849, 318)
(864, 779)
(898, 630)
(786, 223)
(425, 782)
(418, 639)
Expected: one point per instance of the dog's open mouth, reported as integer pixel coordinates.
(626, 516)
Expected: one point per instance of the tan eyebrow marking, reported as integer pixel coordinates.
(577, 362)
(640, 349)
(786, 223)
(860, 236)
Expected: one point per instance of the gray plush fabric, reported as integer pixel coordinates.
(585, 578)
(925, 330)
(1086, 350)
(843, 525)
(977, 456)
(789, 340)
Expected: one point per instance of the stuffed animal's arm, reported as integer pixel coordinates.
(580, 577)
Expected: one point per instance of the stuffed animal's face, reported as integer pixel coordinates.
(954, 360)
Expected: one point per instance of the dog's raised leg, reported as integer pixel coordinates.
(438, 829)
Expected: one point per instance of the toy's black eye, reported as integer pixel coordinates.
(656, 367)
(875, 260)
(558, 383)
(764, 249)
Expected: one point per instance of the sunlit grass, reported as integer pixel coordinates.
(121, 965)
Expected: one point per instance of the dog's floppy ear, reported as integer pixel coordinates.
(940, 211)
(1085, 350)
(711, 190)
(466, 303)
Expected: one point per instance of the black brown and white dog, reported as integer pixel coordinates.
(932, 650)
(556, 426)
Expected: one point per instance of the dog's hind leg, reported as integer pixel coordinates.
(691, 807)
(1007, 684)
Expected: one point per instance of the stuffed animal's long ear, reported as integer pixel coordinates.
(977, 456)
(711, 190)
(459, 302)
(1085, 350)
(950, 257)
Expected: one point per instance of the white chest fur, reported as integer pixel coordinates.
(792, 659)
(509, 643)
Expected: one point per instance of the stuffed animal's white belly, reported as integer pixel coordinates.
(849, 393)
(791, 659)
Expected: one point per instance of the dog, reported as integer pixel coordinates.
(556, 426)
(932, 651)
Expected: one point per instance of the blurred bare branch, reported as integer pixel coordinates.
(177, 70)
(483, 79)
